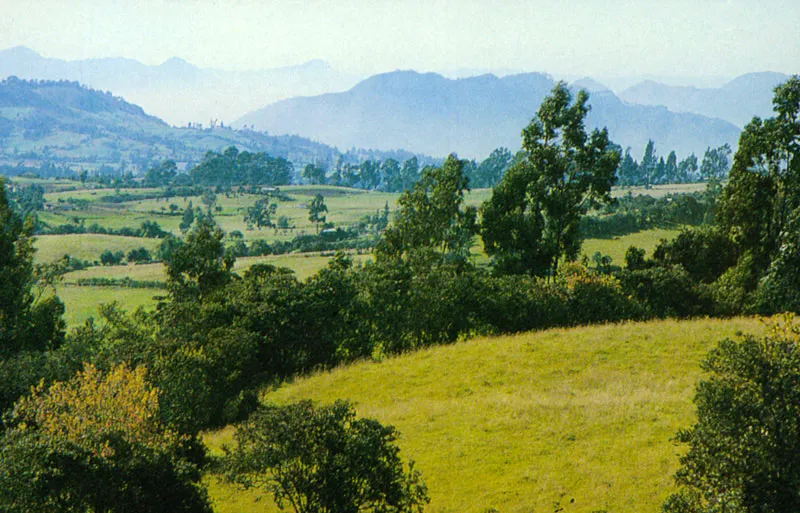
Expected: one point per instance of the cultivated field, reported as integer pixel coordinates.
(579, 419)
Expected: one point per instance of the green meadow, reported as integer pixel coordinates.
(580, 419)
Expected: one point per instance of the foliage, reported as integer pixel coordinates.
(96, 443)
(261, 214)
(432, 217)
(743, 450)
(760, 206)
(317, 210)
(108, 257)
(200, 264)
(324, 459)
(232, 167)
(25, 323)
(531, 222)
(705, 253)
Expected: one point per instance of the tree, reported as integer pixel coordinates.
(716, 163)
(647, 169)
(531, 222)
(491, 170)
(324, 460)
(628, 170)
(96, 444)
(432, 216)
(687, 169)
(187, 219)
(744, 450)
(261, 214)
(760, 207)
(109, 257)
(199, 265)
(314, 174)
(671, 168)
(316, 210)
(25, 322)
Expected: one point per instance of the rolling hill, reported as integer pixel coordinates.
(431, 114)
(579, 419)
(68, 125)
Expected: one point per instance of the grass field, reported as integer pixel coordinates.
(87, 246)
(528, 423)
(616, 247)
(82, 302)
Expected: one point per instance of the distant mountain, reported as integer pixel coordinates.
(431, 114)
(736, 101)
(68, 125)
(176, 90)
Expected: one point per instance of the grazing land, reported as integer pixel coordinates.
(579, 419)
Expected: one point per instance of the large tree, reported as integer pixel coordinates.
(433, 217)
(760, 207)
(27, 322)
(96, 444)
(744, 450)
(530, 224)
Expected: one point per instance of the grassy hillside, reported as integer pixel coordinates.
(529, 422)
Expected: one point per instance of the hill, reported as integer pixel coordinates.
(736, 101)
(579, 419)
(177, 90)
(431, 114)
(67, 125)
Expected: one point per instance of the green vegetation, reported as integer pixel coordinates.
(217, 340)
(323, 459)
(519, 423)
(743, 449)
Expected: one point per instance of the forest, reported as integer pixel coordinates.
(110, 415)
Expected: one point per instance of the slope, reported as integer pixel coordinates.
(576, 418)
(431, 114)
(737, 101)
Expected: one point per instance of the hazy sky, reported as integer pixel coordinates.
(599, 38)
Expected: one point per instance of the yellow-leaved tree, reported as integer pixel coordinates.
(96, 443)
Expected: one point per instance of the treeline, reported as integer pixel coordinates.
(631, 214)
(654, 170)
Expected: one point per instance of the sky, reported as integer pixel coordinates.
(663, 38)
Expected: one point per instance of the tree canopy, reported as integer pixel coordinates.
(322, 459)
(531, 222)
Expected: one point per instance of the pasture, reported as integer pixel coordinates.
(579, 419)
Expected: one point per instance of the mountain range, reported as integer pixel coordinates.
(65, 124)
(419, 112)
(736, 101)
(176, 90)
(431, 114)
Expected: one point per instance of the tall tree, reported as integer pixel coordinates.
(433, 217)
(647, 169)
(687, 169)
(531, 222)
(25, 323)
(760, 206)
(716, 163)
(316, 210)
(314, 175)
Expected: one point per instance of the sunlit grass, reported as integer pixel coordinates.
(87, 246)
(617, 246)
(521, 423)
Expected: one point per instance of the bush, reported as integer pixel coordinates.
(324, 459)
